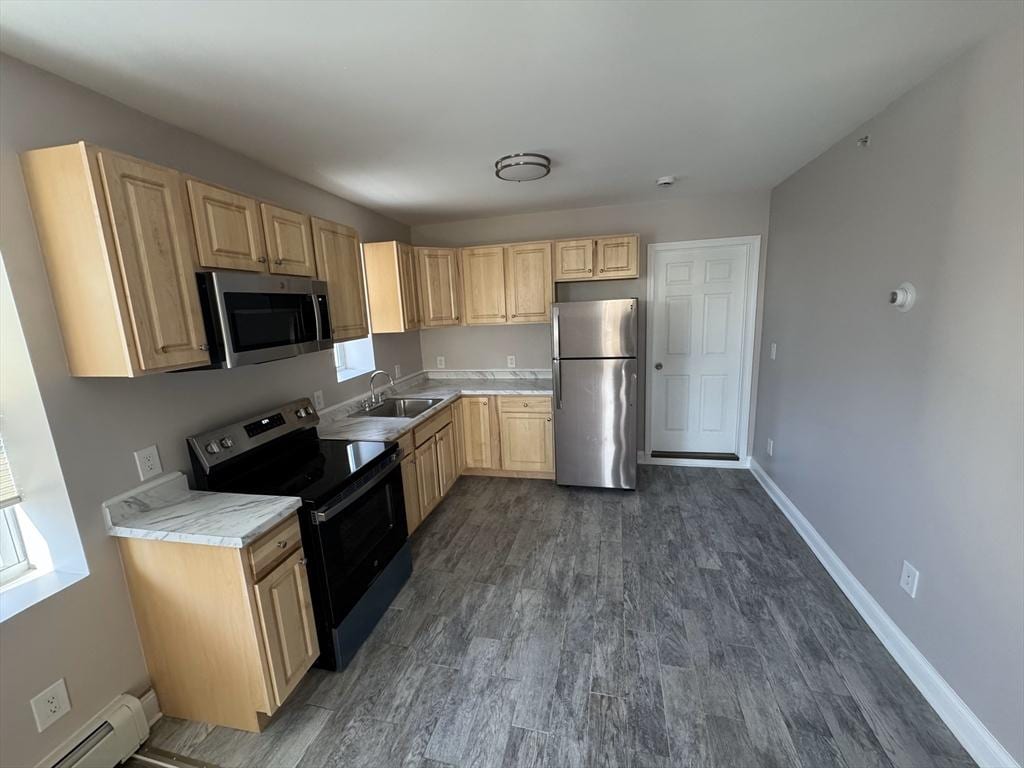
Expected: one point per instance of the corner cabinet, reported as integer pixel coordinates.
(480, 422)
(118, 245)
(227, 633)
(437, 270)
(339, 264)
(391, 287)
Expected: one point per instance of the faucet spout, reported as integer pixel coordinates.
(374, 398)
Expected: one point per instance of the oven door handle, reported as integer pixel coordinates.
(322, 516)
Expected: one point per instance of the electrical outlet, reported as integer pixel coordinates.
(511, 361)
(440, 361)
(148, 462)
(771, 447)
(771, 351)
(398, 371)
(51, 705)
(908, 579)
(318, 399)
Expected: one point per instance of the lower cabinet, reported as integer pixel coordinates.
(411, 492)
(527, 442)
(427, 477)
(446, 474)
(480, 417)
(227, 633)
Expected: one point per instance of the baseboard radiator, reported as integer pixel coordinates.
(111, 738)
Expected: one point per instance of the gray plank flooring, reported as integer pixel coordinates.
(686, 624)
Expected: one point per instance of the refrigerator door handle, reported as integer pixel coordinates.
(556, 375)
(632, 393)
(554, 332)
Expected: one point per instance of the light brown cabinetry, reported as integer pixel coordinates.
(480, 422)
(289, 241)
(427, 477)
(483, 285)
(119, 250)
(225, 640)
(446, 471)
(339, 264)
(599, 258)
(528, 282)
(527, 434)
(227, 227)
(437, 270)
(410, 491)
(391, 287)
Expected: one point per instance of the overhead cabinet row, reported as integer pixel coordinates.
(510, 284)
(123, 240)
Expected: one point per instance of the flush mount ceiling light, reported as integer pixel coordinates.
(522, 166)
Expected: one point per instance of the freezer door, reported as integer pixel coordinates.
(595, 423)
(594, 328)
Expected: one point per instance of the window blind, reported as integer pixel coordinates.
(8, 490)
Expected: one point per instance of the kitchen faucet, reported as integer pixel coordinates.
(378, 399)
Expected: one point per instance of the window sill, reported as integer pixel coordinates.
(32, 588)
(344, 374)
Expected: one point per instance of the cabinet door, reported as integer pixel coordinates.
(527, 442)
(616, 257)
(459, 435)
(287, 624)
(427, 478)
(227, 228)
(483, 285)
(339, 264)
(574, 260)
(481, 432)
(528, 282)
(289, 241)
(439, 292)
(411, 492)
(446, 472)
(154, 243)
(409, 286)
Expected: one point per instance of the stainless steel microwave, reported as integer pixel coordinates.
(254, 318)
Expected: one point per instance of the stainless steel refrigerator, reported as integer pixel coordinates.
(594, 349)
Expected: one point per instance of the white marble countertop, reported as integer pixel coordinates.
(338, 425)
(166, 509)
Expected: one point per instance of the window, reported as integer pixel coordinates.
(354, 358)
(13, 559)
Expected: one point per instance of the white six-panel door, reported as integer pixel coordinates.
(696, 365)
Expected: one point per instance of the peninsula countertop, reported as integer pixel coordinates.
(337, 423)
(166, 509)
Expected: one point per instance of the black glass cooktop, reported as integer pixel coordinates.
(301, 465)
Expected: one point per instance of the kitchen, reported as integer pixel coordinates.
(449, 539)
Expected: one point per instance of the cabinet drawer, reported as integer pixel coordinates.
(524, 404)
(431, 426)
(274, 547)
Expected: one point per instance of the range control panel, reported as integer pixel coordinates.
(266, 424)
(221, 444)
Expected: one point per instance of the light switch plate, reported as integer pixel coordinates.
(148, 462)
(318, 399)
(440, 361)
(771, 447)
(771, 351)
(51, 705)
(511, 361)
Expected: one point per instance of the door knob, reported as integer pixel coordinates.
(658, 366)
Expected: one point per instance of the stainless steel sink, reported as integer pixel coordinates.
(398, 408)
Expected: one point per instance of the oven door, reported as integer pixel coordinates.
(358, 536)
(264, 317)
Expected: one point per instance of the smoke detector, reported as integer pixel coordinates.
(666, 181)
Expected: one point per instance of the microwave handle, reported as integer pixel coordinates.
(323, 317)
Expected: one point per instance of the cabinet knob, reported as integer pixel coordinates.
(549, 418)
(526, 405)
(279, 261)
(302, 561)
(602, 269)
(514, 315)
(589, 269)
(282, 544)
(204, 347)
(262, 259)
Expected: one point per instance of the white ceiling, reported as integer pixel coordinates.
(404, 106)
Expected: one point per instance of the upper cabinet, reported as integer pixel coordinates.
(339, 264)
(289, 241)
(118, 247)
(528, 282)
(391, 287)
(439, 286)
(483, 285)
(228, 230)
(600, 258)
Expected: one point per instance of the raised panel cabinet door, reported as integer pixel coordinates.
(340, 265)
(483, 285)
(227, 228)
(411, 493)
(481, 432)
(150, 224)
(527, 442)
(574, 260)
(289, 241)
(287, 624)
(446, 472)
(459, 433)
(617, 257)
(427, 478)
(409, 286)
(439, 293)
(528, 282)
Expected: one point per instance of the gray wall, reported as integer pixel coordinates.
(673, 219)
(899, 435)
(86, 633)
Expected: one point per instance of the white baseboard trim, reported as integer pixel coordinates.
(645, 458)
(965, 725)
